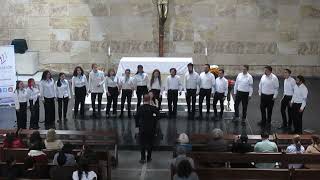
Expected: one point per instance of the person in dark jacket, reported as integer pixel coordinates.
(60, 171)
(146, 122)
(35, 139)
(241, 145)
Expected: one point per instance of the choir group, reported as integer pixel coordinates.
(206, 85)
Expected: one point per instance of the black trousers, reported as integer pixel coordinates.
(157, 96)
(172, 101)
(266, 106)
(93, 101)
(113, 98)
(204, 93)
(191, 97)
(34, 111)
(244, 98)
(285, 105)
(126, 95)
(80, 97)
(218, 97)
(146, 143)
(49, 113)
(22, 115)
(63, 104)
(297, 118)
(141, 90)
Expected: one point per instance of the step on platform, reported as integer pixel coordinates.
(182, 104)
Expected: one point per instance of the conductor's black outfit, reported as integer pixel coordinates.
(146, 120)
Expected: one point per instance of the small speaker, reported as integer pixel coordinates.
(20, 46)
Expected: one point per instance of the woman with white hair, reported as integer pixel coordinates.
(216, 142)
(183, 141)
(52, 142)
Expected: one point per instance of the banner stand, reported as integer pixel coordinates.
(8, 75)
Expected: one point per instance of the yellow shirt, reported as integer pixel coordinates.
(313, 149)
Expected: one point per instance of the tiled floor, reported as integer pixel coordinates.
(130, 169)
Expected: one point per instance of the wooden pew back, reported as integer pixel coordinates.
(202, 158)
(303, 174)
(242, 174)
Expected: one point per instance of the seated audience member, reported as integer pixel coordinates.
(314, 148)
(265, 146)
(12, 171)
(52, 142)
(181, 155)
(87, 154)
(13, 140)
(66, 153)
(60, 171)
(32, 170)
(83, 173)
(37, 154)
(241, 145)
(35, 138)
(185, 171)
(216, 142)
(296, 147)
(183, 141)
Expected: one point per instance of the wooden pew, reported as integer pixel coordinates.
(204, 138)
(21, 154)
(78, 138)
(201, 158)
(253, 173)
(242, 174)
(97, 168)
(305, 174)
(199, 141)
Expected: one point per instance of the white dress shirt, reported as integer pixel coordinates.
(47, 89)
(191, 81)
(288, 86)
(244, 83)
(126, 83)
(96, 81)
(33, 93)
(155, 84)
(221, 85)
(300, 95)
(269, 85)
(64, 90)
(207, 81)
(141, 79)
(79, 81)
(21, 96)
(174, 83)
(112, 81)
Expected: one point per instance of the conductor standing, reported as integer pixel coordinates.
(146, 121)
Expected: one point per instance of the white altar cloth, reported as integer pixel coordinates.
(150, 63)
(27, 63)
